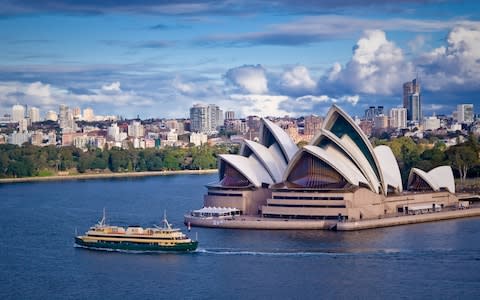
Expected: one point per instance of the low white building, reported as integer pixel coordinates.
(431, 123)
(198, 139)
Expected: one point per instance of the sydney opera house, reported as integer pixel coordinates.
(338, 176)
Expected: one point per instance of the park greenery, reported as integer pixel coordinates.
(28, 160)
(426, 155)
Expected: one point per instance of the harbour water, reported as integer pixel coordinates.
(38, 260)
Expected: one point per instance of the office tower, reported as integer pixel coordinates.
(18, 113)
(312, 124)
(412, 100)
(229, 115)
(465, 113)
(409, 88)
(414, 111)
(34, 114)
(88, 114)
(398, 118)
(373, 112)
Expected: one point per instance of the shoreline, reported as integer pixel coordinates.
(107, 175)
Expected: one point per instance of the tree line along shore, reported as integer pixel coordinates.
(34, 161)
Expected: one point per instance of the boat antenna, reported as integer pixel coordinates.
(102, 221)
(165, 222)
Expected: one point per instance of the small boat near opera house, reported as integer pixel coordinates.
(337, 181)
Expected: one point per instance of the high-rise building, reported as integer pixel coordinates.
(465, 113)
(77, 113)
(199, 118)
(34, 114)
(412, 100)
(409, 88)
(18, 113)
(51, 116)
(136, 129)
(312, 125)
(398, 118)
(65, 118)
(229, 115)
(414, 111)
(23, 125)
(373, 112)
(113, 133)
(62, 112)
(215, 116)
(381, 122)
(205, 118)
(88, 114)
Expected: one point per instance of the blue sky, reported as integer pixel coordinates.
(157, 58)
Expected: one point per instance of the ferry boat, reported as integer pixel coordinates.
(136, 238)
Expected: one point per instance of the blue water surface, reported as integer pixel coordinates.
(38, 260)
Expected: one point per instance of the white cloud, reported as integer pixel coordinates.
(48, 97)
(250, 79)
(260, 105)
(309, 104)
(377, 66)
(417, 43)
(456, 65)
(297, 78)
(324, 27)
(182, 87)
(113, 87)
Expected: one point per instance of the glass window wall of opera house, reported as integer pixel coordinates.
(338, 175)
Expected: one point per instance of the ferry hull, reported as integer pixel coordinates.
(180, 247)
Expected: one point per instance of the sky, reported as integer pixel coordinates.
(266, 58)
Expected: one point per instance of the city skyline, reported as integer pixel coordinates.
(253, 58)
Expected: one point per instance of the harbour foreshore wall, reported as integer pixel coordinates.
(250, 222)
(107, 175)
(405, 220)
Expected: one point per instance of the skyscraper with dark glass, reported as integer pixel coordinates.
(412, 100)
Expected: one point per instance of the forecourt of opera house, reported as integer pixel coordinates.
(337, 181)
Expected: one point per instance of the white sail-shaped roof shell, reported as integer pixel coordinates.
(269, 157)
(250, 167)
(343, 167)
(389, 167)
(331, 119)
(288, 147)
(443, 177)
(354, 156)
(424, 175)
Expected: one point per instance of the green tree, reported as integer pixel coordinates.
(462, 158)
(118, 160)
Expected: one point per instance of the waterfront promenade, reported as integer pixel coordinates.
(252, 222)
(106, 175)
